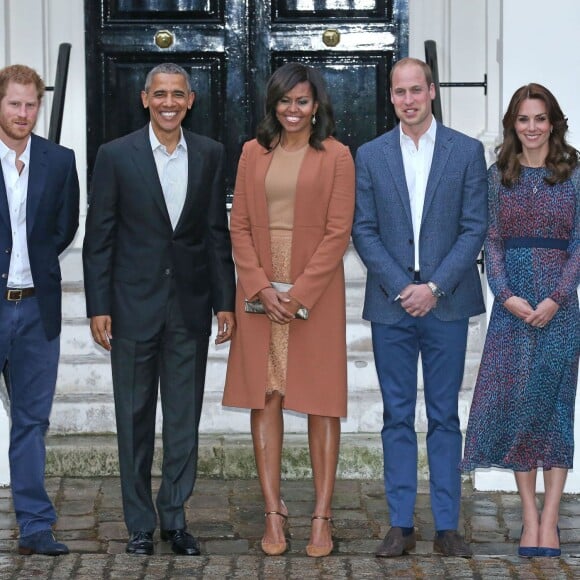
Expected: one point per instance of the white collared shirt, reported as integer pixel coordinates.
(19, 274)
(172, 169)
(417, 163)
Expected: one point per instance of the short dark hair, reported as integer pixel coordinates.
(283, 80)
(168, 68)
(409, 60)
(23, 75)
(562, 158)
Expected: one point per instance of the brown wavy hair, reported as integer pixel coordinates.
(562, 158)
(283, 80)
(22, 75)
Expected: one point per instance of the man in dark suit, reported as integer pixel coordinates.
(39, 216)
(420, 221)
(157, 260)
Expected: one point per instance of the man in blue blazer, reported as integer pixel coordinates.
(420, 222)
(39, 211)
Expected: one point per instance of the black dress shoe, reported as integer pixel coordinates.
(182, 542)
(450, 543)
(140, 543)
(395, 544)
(42, 542)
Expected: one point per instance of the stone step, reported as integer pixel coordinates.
(222, 456)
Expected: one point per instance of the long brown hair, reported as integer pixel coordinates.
(562, 158)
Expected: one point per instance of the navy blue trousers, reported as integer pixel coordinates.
(32, 367)
(396, 349)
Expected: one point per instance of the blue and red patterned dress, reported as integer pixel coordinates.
(522, 412)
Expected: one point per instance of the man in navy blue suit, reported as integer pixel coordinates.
(420, 221)
(39, 211)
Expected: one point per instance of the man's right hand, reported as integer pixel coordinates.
(101, 330)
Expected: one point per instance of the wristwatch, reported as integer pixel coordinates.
(435, 290)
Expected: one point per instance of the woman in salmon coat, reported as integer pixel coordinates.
(290, 222)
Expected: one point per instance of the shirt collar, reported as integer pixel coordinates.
(429, 134)
(156, 143)
(25, 157)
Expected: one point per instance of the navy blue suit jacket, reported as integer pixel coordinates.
(52, 219)
(453, 225)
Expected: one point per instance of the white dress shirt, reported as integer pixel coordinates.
(172, 169)
(417, 163)
(19, 274)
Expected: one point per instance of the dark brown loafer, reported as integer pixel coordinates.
(452, 544)
(395, 544)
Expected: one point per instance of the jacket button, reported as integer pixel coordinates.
(168, 271)
(411, 241)
(4, 276)
(7, 250)
(411, 269)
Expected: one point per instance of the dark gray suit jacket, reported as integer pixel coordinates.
(131, 254)
(453, 225)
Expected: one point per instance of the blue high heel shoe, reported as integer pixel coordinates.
(527, 551)
(550, 552)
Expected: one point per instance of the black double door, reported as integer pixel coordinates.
(230, 48)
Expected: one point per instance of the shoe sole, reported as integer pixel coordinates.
(29, 552)
(405, 551)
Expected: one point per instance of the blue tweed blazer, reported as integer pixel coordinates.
(453, 225)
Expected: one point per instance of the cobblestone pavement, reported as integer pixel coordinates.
(227, 518)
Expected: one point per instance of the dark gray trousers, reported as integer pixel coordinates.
(173, 363)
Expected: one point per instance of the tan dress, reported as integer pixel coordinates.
(280, 185)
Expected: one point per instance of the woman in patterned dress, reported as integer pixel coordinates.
(291, 220)
(523, 405)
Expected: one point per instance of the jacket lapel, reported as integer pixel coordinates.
(263, 161)
(441, 152)
(194, 173)
(394, 159)
(37, 175)
(143, 158)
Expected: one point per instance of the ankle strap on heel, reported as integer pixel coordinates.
(326, 518)
(275, 513)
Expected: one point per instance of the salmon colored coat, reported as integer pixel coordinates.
(323, 213)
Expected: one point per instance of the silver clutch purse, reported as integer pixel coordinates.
(256, 307)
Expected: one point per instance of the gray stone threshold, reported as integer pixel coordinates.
(224, 456)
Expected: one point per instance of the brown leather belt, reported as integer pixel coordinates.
(15, 294)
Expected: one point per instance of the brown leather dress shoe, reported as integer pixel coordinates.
(450, 543)
(395, 544)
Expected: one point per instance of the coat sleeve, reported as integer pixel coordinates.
(320, 269)
(67, 221)
(366, 231)
(568, 283)
(218, 242)
(472, 225)
(251, 274)
(494, 248)
(99, 242)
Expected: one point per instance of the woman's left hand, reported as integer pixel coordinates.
(291, 304)
(543, 313)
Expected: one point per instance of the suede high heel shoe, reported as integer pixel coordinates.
(527, 551)
(550, 552)
(276, 548)
(320, 551)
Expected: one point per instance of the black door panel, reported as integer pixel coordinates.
(230, 48)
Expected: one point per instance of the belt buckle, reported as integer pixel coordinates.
(14, 295)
